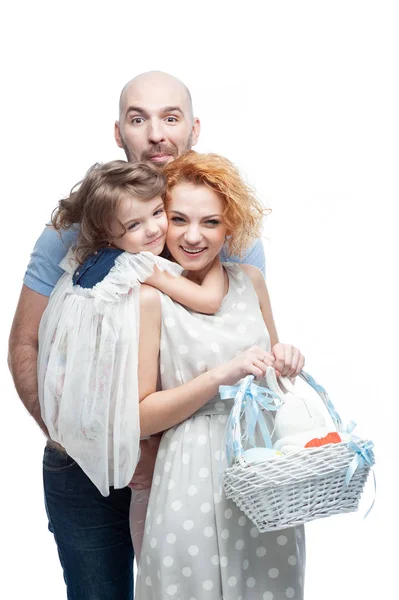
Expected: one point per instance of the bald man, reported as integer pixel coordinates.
(156, 121)
(156, 125)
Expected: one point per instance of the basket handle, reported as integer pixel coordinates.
(325, 398)
(248, 391)
(287, 386)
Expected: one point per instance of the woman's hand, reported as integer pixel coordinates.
(253, 361)
(288, 360)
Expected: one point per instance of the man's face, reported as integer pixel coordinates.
(156, 125)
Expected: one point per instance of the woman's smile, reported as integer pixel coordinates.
(192, 252)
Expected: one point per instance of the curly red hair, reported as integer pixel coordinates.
(243, 212)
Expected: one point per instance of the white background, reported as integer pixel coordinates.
(303, 96)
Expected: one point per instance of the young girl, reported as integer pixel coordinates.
(88, 335)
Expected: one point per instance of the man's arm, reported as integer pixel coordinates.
(41, 276)
(22, 350)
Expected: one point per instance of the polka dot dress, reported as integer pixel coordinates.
(198, 545)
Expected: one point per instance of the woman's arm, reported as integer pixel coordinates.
(164, 409)
(289, 360)
(205, 298)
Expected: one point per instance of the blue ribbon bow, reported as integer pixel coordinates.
(250, 399)
(364, 455)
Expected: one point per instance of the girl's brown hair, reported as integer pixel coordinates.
(243, 212)
(93, 202)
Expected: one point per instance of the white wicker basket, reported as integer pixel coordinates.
(300, 487)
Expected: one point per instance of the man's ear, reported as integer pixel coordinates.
(196, 130)
(117, 134)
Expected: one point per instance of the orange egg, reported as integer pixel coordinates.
(330, 438)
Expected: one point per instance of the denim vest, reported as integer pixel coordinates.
(96, 267)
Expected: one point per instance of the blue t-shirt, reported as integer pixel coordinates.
(43, 271)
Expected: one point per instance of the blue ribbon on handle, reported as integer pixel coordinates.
(322, 392)
(364, 455)
(250, 399)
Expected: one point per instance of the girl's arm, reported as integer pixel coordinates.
(160, 410)
(205, 298)
(289, 360)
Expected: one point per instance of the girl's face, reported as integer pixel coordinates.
(196, 232)
(145, 223)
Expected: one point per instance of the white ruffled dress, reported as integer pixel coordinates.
(87, 367)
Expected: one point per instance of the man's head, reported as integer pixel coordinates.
(156, 122)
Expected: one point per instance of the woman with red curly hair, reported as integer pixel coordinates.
(198, 545)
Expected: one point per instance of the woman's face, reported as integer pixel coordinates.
(196, 231)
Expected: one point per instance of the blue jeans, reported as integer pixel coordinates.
(91, 532)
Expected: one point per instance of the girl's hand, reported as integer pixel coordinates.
(250, 362)
(157, 278)
(288, 360)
